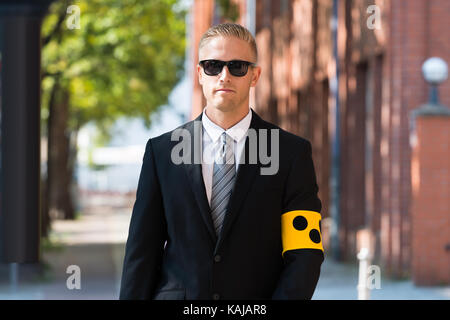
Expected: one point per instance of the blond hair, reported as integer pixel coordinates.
(227, 30)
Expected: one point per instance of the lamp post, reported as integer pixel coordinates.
(435, 71)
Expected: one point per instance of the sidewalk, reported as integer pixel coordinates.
(338, 281)
(96, 243)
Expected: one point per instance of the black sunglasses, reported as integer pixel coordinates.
(237, 68)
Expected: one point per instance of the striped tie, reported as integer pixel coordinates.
(223, 181)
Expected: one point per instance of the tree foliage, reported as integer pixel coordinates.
(123, 61)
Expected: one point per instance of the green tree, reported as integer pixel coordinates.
(123, 61)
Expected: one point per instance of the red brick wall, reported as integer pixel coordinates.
(413, 33)
(437, 38)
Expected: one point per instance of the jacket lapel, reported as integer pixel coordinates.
(195, 176)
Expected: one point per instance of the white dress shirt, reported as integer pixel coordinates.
(211, 145)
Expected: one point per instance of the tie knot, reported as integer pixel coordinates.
(226, 147)
(223, 138)
(226, 139)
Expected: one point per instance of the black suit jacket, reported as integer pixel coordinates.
(172, 251)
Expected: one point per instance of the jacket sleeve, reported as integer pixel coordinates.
(301, 234)
(146, 236)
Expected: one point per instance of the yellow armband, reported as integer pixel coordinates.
(300, 229)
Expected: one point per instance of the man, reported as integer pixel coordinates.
(221, 227)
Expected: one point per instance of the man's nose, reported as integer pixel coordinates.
(225, 74)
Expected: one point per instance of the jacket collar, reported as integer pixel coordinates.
(237, 132)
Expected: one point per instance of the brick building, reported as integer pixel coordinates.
(379, 82)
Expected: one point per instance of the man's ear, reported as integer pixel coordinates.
(200, 75)
(255, 76)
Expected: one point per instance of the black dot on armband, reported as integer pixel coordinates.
(314, 235)
(300, 223)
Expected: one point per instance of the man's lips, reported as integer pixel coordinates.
(224, 90)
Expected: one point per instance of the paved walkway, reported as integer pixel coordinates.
(96, 244)
(339, 281)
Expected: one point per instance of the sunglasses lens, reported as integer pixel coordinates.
(213, 67)
(238, 68)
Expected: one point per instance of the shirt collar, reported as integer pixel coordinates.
(237, 132)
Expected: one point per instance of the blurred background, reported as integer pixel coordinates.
(85, 84)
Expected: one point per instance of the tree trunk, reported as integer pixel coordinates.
(59, 168)
(58, 175)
